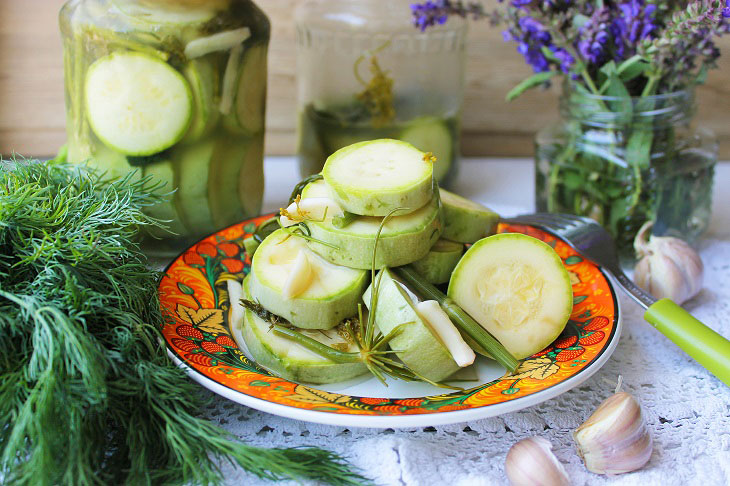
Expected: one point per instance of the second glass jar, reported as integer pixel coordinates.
(365, 72)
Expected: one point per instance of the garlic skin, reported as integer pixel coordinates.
(615, 438)
(668, 267)
(531, 462)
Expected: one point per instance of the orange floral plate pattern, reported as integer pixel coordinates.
(194, 300)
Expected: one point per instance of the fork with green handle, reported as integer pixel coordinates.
(593, 242)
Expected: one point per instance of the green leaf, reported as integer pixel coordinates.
(579, 298)
(632, 68)
(580, 20)
(535, 80)
(621, 103)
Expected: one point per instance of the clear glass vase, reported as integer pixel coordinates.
(626, 161)
(365, 72)
(174, 90)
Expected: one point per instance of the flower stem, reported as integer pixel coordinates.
(315, 346)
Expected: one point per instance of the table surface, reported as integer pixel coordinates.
(686, 408)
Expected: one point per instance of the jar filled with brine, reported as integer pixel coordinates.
(173, 90)
(366, 72)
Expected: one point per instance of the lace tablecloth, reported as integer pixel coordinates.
(687, 409)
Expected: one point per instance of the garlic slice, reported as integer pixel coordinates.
(310, 209)
(299, 278)
(531, 462)
(615, 438)
(439, 322)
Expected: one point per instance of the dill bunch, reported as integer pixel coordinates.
(87, 393)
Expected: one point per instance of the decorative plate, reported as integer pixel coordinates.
(194, 300)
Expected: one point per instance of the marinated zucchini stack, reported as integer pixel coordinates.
(311, 275)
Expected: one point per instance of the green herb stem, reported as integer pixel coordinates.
(345, 220)
(461, 319)
(315, 346)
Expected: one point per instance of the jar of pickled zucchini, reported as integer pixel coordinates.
(365, 72)
(173, 90)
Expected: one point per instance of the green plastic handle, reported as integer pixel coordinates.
(707, 347)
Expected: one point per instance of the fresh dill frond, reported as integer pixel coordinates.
(87, 393)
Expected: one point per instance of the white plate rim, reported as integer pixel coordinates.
(414, 420)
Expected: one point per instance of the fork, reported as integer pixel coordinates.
(594, 243)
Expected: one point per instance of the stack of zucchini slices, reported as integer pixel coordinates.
(314, 273)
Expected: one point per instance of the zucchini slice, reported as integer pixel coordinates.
(249, 92)
(404, 239)
(464, 220)
(284, 357)
(432, 135)
(191, 199)
(203, 79)
(163, 172)
(136, 103)
(330, 294)
(417, 345)
(372, 178)
(517, 288)
(436, 267)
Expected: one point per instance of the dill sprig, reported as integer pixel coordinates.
(87, 393)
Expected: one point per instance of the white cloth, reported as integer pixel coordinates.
(687, 409)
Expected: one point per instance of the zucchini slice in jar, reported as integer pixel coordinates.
(247, 95)
(203, 79)
(325, 293)
(284, 357)
(136, 103)
(193, 163)
(404, 239)
(372, 178)
(516, 287)
(163, 172)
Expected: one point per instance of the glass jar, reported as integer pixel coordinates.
(365, 72)
(174, 90)
(626, 161)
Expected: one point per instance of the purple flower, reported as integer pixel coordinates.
(434, 12)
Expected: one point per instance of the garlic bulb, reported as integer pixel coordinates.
(615, 438)
(668, 267)
(531, 462)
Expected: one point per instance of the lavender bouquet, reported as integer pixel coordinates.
(625, 153)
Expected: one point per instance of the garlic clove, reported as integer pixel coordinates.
(615, 438)
(299, 278)
(531, 462)
(668, 267)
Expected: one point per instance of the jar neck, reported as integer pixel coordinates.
(612, 112)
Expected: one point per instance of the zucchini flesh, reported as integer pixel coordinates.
(437, 266)
(136, 103)
(330, 294)
(375, 177)
(516, 287)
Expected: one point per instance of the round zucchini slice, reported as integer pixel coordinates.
(517, 288)
(326, 293)
(372, 178)
(137, 104)
(404, 239)
(284, 357)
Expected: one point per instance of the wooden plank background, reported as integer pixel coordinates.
(32, 107)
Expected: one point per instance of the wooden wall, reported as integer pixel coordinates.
(31, 93)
